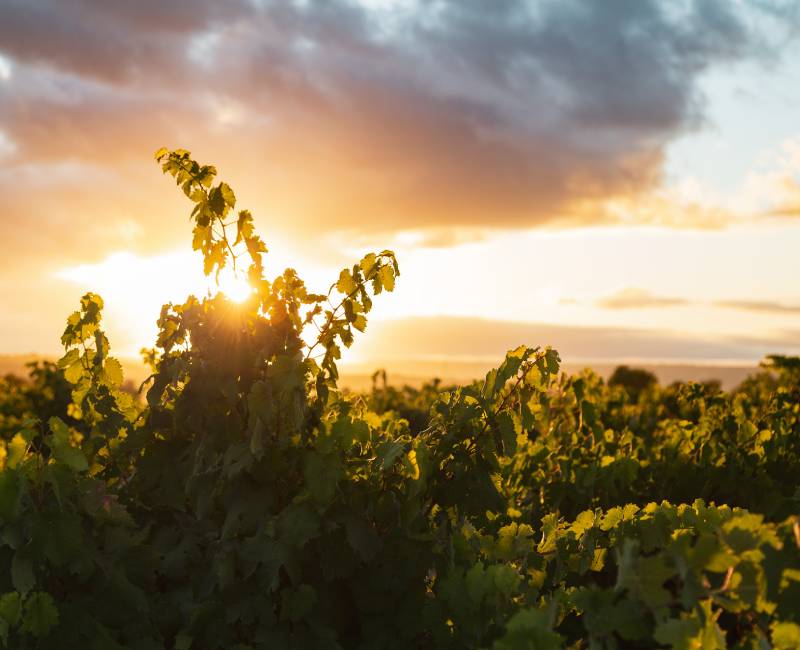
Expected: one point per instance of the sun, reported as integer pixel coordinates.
(234, 286)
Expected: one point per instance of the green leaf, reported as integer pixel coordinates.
(346, 283)
(296, 604)
(63, 451)
(386, 275)
(362, 537)
(227, 194)
(74, 372)
(59, 429)
(64, 542)
(360, 322)
(11, 608)
(322, 473)
(244, 226)
(112, 372)
(41, 614)
(510, 427)
(389, 452)
(583, 522)
(578, 388)
(22, 573)
(528, 629)
(72, 356)
(368, 263)
(16, 450)
(298, 524)
(10, 490)
(347, 431)
(72, 366)
(216, 201)
(785, 636)
(678, 634)
(611, 519)
(553, 360)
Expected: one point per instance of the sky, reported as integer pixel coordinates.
(618, 178)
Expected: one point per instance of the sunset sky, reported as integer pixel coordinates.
(618, 178)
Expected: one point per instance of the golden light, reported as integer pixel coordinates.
(234, 285)
(134, 289)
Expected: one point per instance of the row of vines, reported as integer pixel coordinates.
(242, 500)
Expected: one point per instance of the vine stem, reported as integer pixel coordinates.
(327, 325)
(221, 221)
(520, 376)
(726, 583)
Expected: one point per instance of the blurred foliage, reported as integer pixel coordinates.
(246, 502)
(634, 380)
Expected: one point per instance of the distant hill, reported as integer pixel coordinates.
(14, 364)
(416, 372)
(359, 376)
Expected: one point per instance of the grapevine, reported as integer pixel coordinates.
(243, 500)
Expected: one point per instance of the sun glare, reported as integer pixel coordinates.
(235, 287)
(135, 288)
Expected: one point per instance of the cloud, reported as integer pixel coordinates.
(339, 120)
(774, 187)
(7, 147)
(759, 306)
(346, 116)
(633, 298)
(110, 41)
(637, 298)
(5, 69)
(474, 339)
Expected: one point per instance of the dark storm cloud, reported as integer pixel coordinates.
(467, 113)
(112, 41)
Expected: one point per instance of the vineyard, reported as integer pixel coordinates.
(243, 501)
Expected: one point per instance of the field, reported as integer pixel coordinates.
(245, 501)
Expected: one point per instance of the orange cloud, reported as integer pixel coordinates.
(337, 116)
(633, 298)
